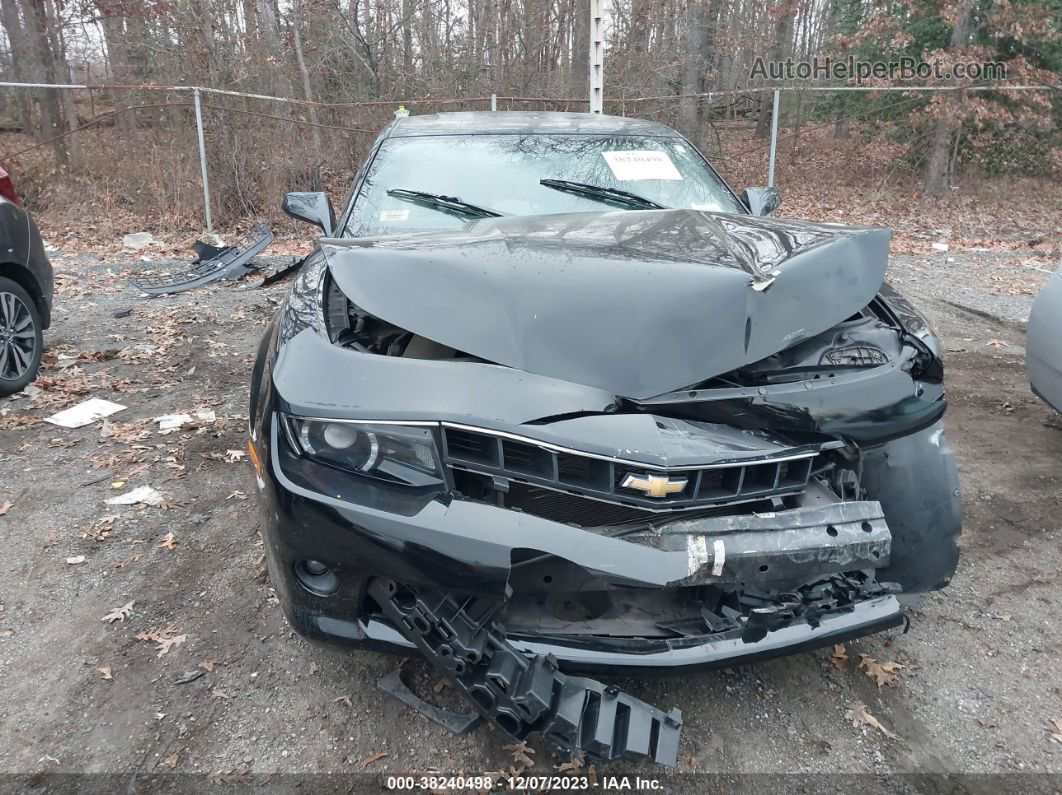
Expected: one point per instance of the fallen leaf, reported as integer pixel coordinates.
(996, 344)
(573, 765)
(106, 672)
(169, 542)
(860, 717)
(164, 637)
(884, 673)
(219, 693)
(312, 669)
(229, 777)
(188, 676)
(521, 753)
(987, 723)
(119, 613)
(232, 456)
(345, 700)
(208, 665)
(5, 506)
(6, 633)
(170, 761)
(839, 658)
(1054, 729)
(364, 763)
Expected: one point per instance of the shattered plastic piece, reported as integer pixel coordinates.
(138, 240)
(173, 422)
(227, 263)
(84, 413)
(522, 694)
(142, 494)
(279, 275)
(457, 722)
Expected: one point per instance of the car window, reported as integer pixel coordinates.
(502, 173)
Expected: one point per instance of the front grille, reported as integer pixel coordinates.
(522, 460)
(574, 509)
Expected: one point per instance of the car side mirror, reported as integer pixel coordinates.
(313, 207)
(761, 201)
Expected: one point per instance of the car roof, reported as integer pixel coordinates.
(515, 122)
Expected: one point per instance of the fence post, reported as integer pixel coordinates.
(597, 57)
(774, 138)
(203, 160)
(493, 101)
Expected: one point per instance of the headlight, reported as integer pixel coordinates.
(404, 454)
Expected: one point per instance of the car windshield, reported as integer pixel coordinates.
(502, 172)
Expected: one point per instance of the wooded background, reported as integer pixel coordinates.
(133, 150)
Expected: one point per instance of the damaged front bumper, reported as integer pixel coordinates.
(468, 548)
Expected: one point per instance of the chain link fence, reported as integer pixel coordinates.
(191, 157)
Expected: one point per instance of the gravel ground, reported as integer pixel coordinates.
(80, 695)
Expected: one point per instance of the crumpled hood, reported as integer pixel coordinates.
(637, 303)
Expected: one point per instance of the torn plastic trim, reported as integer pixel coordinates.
(773, 550)
(594, 656)
(521, 694)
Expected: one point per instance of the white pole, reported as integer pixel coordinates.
(774, 138)
(597, 57)
(202, 161)
(493, 101)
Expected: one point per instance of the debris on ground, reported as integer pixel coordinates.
(144, 494)
(370, 759)
(84, 413)
(138, 240)
(168, 423)
(212, 264)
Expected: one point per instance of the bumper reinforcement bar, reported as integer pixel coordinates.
(523, 694)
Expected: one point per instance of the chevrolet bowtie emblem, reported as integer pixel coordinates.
(654, 485)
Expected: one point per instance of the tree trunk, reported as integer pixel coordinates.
(307, 93)
(17, 38)
(783, 33)
(44, 67)
(693, 73)
(937, 180)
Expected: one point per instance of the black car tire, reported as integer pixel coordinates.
(18, 360)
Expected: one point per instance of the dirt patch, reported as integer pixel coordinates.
(241, 693)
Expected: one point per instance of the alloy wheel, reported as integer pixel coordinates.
(18, 338)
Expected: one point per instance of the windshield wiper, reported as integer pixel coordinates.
(446, 204)
(611, 195)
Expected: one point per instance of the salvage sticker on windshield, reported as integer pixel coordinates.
(641, 164)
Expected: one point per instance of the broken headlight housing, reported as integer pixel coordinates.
(394, 453)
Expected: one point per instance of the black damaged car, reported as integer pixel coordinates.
(549, 398)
